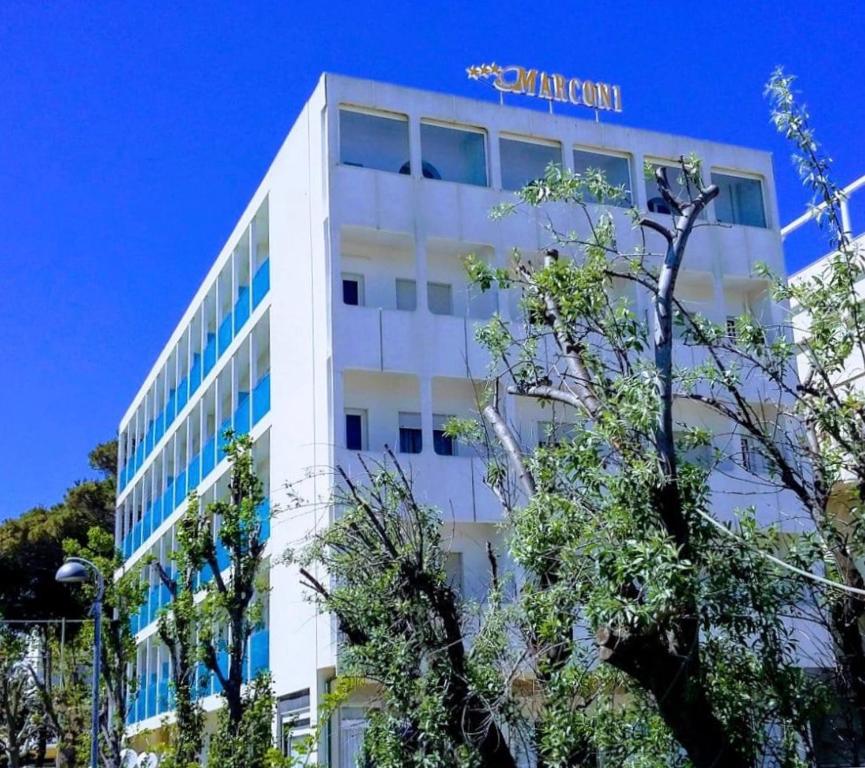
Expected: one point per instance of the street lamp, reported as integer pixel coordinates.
(76, 570)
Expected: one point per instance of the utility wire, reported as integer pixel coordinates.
(806, 574)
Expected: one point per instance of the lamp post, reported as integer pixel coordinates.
(76, 570)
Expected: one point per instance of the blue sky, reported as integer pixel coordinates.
(132, 134)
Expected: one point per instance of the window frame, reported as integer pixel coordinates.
(361, 288)
(628, 202)
(450, 287)
(364, 433)
(744, 176)
(484, 133)
(396, 284)
(537, 140)
(384, 114)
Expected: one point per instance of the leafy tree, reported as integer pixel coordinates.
(654, 634)
(403, 624)
(812, 442)
(178, 630)
(61, 678)
(224, 620)
(17, 701)
(32, 545)
(124, 595)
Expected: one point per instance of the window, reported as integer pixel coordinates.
(752, 457)
(731, 327)
(352, 290)
(740, 201)
(294, 722)
(355, 430)
(678, 186)
(373, 141)
(525, 161)
(410, 435)
(453, 566)
(443, 444)
(616, 170)
(406, 295)
(453, 154)
(439, 298)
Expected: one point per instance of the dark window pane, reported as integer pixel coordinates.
(353, 432)
(410, 440)
(350, 292)
(442, 443)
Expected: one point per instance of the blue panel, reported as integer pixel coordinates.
(208, 457)
(261, 282)
(241, 414)
(263, 511)
(159, 428)
(148, 523)
(209, 353)
(158, 515)
(261, 398)
(193, 472)
(168, 501)
(170, 411)
(225, 335)
(222, 441)
(195, 373)
(222, 557)
(148, 438)
(241, 308)
(182, 394)
(259, 651)
(139, 454)
(179, 489)
(151, 696)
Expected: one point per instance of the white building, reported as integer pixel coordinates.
(338, 319)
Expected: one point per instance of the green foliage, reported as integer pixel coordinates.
(246, 744)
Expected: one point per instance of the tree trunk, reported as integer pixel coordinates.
(66, 757)
(845, 620)
(41, 745)
(672, 676)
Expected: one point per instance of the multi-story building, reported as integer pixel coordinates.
(338, 319)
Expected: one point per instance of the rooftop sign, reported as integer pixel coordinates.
(553, 87)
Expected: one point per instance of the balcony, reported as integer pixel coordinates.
(225, 334)
(241, 308)
(260, 283)
(241, 414)
(261, 399)
(259, 652)
(209, 353)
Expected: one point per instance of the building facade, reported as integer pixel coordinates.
(338, 319)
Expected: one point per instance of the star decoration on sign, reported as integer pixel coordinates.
(476, 72)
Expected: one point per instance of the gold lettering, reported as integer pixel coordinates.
(604, 96)
(516, 80)
(544, 91)
(589, 93)
(559, 88)
(617, 98)
(574, 85)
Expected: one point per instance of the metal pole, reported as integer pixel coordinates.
(97, 663)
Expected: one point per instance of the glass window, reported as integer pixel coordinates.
(355, 430)
(525, 161)
(676, 177)
(410, 436)
(617, 171)
(373, 141)
(406, 295)
(740, 201)
(352, 290)
(440, 298)
(453, 154)
(443, 444)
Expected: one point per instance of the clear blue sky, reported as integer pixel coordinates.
(132, 134)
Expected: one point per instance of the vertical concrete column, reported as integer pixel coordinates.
(421, 270)
(638, 183)
(414, 147)
(426, 412)
(494, 162)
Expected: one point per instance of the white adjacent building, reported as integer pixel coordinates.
(337, 319)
